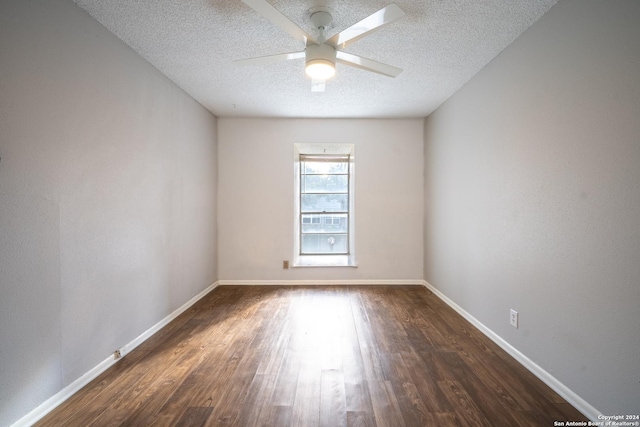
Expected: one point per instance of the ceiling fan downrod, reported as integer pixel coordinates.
(321, 20)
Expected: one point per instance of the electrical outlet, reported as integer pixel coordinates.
(285, 265)
(513, 318)
(117, 354)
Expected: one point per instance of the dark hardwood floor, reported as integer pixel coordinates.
(322, 355)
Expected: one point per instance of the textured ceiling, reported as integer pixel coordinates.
(440, 45)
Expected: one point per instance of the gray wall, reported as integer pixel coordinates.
(257, 170)
(107, 198)
(532, 174)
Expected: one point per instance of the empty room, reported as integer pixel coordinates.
(279, 213)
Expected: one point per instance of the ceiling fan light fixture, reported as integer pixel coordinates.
(320, 69)
(320, 61)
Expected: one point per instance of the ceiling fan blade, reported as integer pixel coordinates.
(369, 24)
(367, 64)
(270, 59)
(272, 14)
(317, 85)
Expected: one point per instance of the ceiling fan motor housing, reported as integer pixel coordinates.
(321, 19)
(321, 56)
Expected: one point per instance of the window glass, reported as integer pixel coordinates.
(324, 205)
(321, 244)
(325, 184)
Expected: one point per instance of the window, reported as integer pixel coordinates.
(324, 206)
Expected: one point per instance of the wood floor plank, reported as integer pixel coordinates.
(316, 356)
(306, 406)
(425, 378)
(386, 408)
(194, 417)
(255, 402)
(360, 419)
(488, 400)
(287, 379)
(414, 411)
(466, 409)
(333, 403)
(358, 397)
(276, 416)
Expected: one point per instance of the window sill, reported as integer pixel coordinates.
(324, 261)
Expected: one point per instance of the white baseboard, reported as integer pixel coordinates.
(374, 282)
(565, 392)
(57, 399)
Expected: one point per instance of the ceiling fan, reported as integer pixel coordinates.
(322, 53)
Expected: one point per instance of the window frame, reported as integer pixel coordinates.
(325, 215)
(326, 259)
